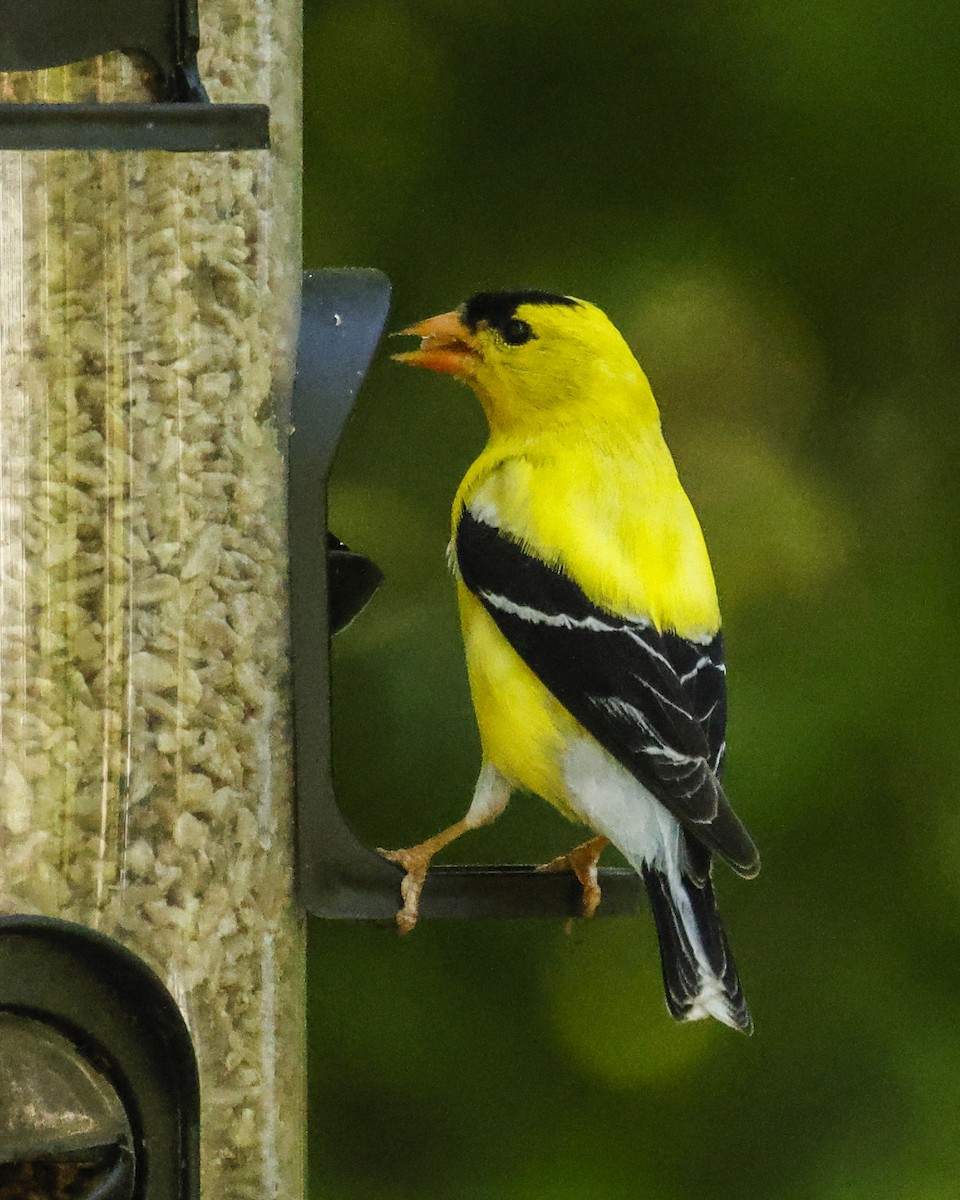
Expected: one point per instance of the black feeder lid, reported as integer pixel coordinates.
(52, 33)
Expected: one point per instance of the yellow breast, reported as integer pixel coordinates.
(611, 514)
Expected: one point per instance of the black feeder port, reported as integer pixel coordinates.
(99, 1095)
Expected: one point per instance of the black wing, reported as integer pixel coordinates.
(702, 673)
(655, 702)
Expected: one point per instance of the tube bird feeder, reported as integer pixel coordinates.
(151, 943)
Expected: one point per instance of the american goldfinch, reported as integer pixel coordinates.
(591, 624)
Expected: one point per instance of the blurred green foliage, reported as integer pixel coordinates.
(765, 199)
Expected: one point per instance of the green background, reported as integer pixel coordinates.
(764, 198)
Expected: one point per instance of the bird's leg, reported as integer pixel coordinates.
(415, 860)
(490, 798)
(582, 861)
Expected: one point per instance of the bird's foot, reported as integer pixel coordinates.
(415, 862)
(582, 861)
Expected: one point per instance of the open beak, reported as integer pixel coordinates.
(446, 345)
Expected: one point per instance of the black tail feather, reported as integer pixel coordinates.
(695, 983)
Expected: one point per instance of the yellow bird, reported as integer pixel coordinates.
(591, 624)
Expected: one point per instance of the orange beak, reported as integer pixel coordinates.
(446, 345)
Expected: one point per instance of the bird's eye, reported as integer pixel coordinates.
(515, 332)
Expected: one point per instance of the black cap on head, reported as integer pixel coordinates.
(498, 308)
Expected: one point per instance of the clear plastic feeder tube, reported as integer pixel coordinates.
(148, 306)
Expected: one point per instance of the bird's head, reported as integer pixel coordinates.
(534, 359)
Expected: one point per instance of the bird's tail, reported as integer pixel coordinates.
(699, 975)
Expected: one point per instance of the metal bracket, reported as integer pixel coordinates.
(340, 876)
(342, 318)
(52, 33)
